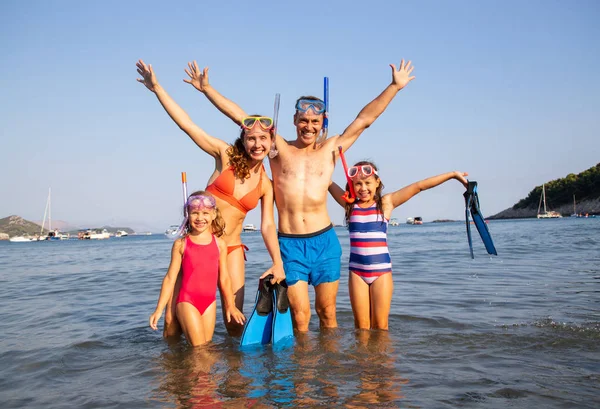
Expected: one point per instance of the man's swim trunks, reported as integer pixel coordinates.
(314, 257)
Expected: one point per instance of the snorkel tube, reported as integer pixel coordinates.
(323, 135)
(350, 195)
(184, 187)
(273, 152)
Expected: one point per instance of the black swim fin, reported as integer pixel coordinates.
(282, 318)
(257, 330)
(472, 206)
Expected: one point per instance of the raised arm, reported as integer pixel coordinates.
(368, 115)
(199, 79)
(401, 196)
(269, 231)
(209, 144)
(168, 283)
(337, 192)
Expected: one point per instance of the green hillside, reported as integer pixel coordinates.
(585, 186)
(17, 226)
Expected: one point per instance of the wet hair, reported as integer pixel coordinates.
(217, 226)
(238, 157)
(349, 206)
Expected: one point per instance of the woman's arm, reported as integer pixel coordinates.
(168, 282)
(401, 196)
(209, 144)
(269, 231)
(231, 310)
(337, 192)
(199, 79)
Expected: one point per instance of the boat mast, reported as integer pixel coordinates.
(541, 197)
(574, 211)
(49, 210)
(544, 194)
(45, 212)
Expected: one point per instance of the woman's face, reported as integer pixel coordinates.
(257, 143)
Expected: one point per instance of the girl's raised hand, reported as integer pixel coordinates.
(199, 79)
(148, 77)
(401, 77)
(460, 176)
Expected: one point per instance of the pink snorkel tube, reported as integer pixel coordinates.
(350, 195)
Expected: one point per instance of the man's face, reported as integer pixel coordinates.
(308, 126)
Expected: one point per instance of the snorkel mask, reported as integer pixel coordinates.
(200, 202)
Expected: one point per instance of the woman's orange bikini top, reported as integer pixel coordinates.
(223, 187)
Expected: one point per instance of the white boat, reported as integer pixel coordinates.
(121, 233)
(414, 220)
(547, 214)
(21, 239)
(249, 227)
(394, 222)
(91, 234)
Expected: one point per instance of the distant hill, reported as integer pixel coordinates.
(559, 196)
(60, 225)
(17, 226)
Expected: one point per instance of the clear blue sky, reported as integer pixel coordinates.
(507, 91)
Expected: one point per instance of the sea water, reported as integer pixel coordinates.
(518, 330)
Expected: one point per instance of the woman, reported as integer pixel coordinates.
(238, 182)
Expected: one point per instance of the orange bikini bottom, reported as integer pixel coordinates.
(237, 246)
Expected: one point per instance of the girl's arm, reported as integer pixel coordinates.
(209, 144)
(168, 283)
(269, 231)
(337, 192)
(231, 310)
(399, 197)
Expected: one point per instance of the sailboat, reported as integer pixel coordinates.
(52, 234)
(546, 214)
(22, 239)
(574, 208)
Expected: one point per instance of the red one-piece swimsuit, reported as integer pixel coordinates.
(200, 269)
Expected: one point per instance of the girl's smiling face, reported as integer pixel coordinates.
(366, 187)
(201, 219)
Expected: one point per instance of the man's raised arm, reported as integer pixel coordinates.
(368, 115)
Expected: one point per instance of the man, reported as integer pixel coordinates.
(302, 172)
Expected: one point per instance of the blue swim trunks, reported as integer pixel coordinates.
(315, 257)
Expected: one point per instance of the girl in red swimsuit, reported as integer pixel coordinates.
(201, 256)
(238, 182)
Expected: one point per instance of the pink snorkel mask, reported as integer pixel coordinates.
(200, 202)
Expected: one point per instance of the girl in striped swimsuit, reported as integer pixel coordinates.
(370, 279)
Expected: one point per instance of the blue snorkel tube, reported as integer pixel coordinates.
(326, 100)
(273, 152)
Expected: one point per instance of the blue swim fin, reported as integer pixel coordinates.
(282, 330)
(472, 206)
(258, 327)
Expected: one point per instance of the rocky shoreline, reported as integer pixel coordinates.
(590, 207)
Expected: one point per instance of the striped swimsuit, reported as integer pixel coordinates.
(369, 254)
